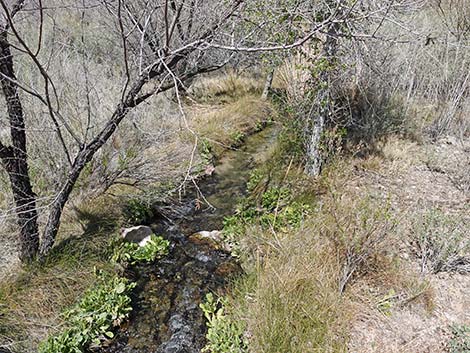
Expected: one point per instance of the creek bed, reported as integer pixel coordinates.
(166, 316)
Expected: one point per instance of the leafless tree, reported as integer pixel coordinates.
(159, 42)
(161, 45)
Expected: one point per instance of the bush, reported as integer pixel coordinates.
(92, 320)
(137, 211)
(276, 211)
(460, 341)
(358, 229)
(441, 242)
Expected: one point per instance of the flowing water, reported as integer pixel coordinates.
(166, 316)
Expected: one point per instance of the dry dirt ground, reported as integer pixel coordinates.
(415, 177)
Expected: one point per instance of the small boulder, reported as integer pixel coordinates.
(138, 234)
(144, 241)
(215, 235)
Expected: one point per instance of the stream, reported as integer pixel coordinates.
(166, 316)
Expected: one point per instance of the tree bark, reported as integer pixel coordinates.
(267, 84)
(322, 105)
(14, 158)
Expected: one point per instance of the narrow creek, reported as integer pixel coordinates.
(166, 316)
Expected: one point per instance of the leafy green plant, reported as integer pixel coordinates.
(133, 253)
(137, 211)
(223, 334)
(460, 341)
(238, 137)
(206, 151)
(277, 212)
(255, 177)
(273, 197)
(93, 319)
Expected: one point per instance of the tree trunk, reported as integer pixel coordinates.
(267, 85)
(321, 107)
(14, 158)
(83, 157)
(315, 127)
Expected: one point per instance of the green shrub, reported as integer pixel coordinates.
(273, 197)
(93, 319)
(223, 334)
(277, 212)
(133, 253)
(460, 341)
(137, 211)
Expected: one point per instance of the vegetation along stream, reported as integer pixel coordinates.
(166, 316)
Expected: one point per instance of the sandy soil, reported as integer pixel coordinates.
(414, 177)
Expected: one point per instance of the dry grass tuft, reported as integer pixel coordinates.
(227, 109)
(220, 123)
(292, 303)
(225, 88)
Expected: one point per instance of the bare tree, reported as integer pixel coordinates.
(14, 156)
(153, 62)
(162, 45)
(154, 46)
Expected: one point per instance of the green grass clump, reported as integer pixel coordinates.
(224, 335)
(93, 319)
(133, 253)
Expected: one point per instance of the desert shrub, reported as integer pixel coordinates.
(224, 335)
(133, 253)
(359, 230)
(460, 341)
(367, 113)
(441, 241)
(93, 319)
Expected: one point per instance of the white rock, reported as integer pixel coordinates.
(144, 241)
(215, 235)
(137, 234)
